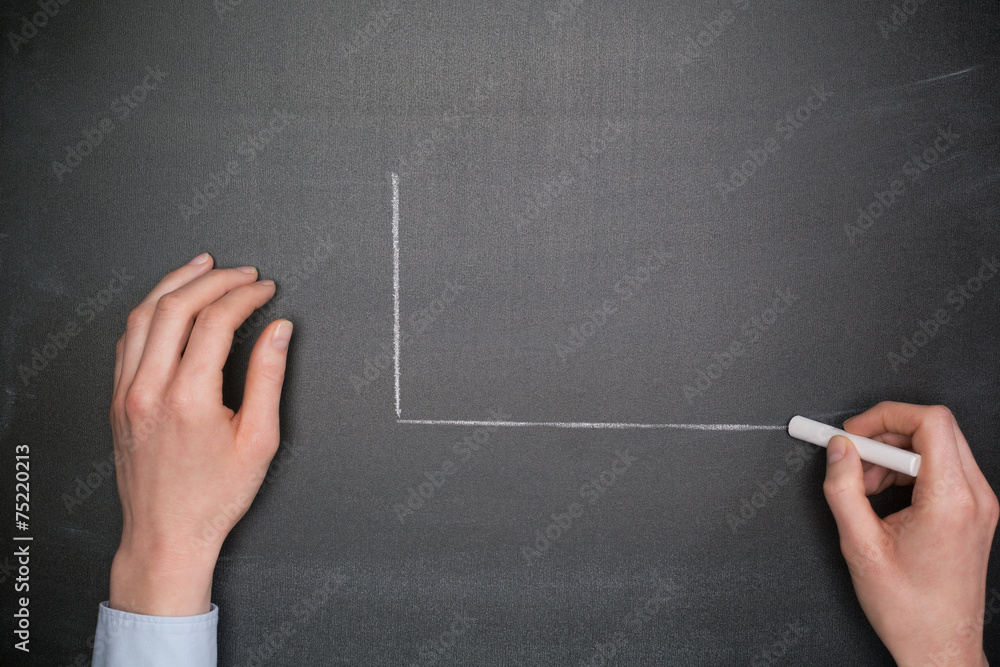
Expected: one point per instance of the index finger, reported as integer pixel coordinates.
(929, 429)
(142, 315)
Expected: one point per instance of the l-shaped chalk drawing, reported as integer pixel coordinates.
(475, 422)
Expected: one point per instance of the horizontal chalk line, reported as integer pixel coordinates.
(596, 425)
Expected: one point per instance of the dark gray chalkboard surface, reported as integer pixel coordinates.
(617, 213)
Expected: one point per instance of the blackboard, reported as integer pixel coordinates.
(608, 221)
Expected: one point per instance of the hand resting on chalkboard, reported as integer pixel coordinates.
(188, 468)
(920, 574)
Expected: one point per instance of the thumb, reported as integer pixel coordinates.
(258, 415)
(844, 488)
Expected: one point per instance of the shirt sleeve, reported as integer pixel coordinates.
(125, 640)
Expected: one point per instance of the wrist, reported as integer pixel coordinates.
(155, 581)
(950, 654)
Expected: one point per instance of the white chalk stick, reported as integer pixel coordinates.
(873, 451)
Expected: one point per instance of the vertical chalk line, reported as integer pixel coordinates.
(395, 282)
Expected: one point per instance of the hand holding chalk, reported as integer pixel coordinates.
(872, 451)
(919, 573)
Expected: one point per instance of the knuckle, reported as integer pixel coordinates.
(940, 414)
(259, 442)
(834, 487)
(883, 407)
(137, 402)
(179, 401)
(992, 509)
(272, 372)
(137, 320)
(213, 317)
(170, 305)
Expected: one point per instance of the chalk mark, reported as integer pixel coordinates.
(942, 77)
(549, 424)
(395, 282)
(597, 425)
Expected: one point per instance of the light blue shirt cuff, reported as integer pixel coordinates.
(125, 640)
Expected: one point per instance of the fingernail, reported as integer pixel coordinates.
(265, 282)
(200, 259)
(282, 334)
(836, 448)
(248, 269)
